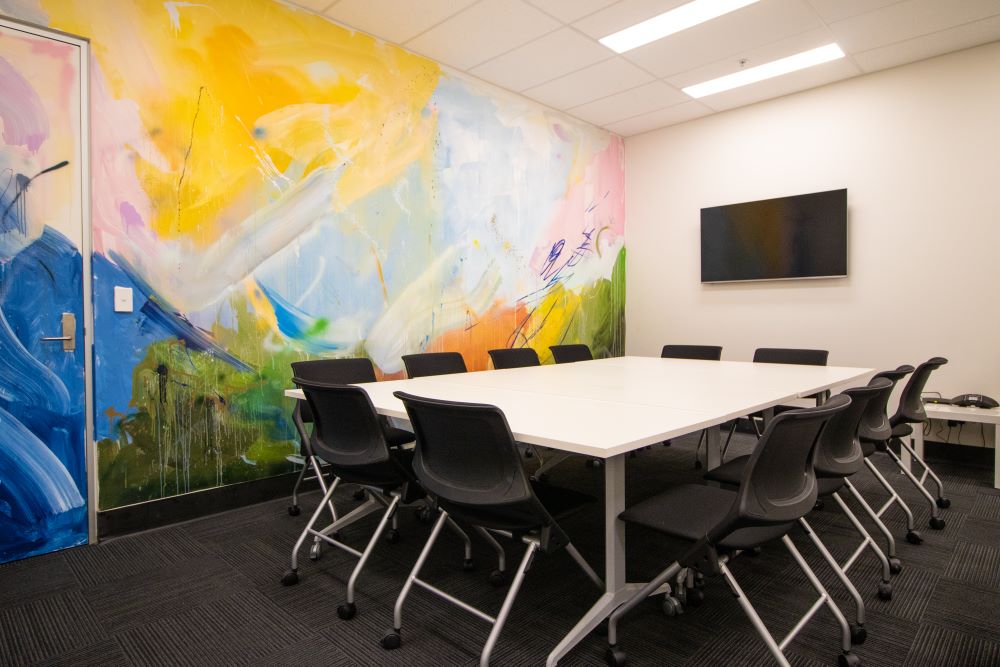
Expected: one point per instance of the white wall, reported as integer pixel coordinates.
(918, 149)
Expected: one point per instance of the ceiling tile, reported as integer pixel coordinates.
(782, 85)
(591, 83)
(544, 59)
(483, 31)
(928, 46)
(678, 113)
(314, 5)
(836, 10)
(754, 57)
(646, 98)
(747, 28)
(906, 20)
(394, 20)
(622, 15)
(570, 10)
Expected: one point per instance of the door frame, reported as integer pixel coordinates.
(86, 252)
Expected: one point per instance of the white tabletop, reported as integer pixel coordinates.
(606, 407)
(962, 414)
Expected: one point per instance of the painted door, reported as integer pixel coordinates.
(43, 433)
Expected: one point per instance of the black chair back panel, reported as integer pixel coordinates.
(518, 357)
(564, 354)
(433, 363)
(789, 355)
(347, 433)
(875, 426)
(704, 352)
(779, 482)
(332, 371)
(465, 452)
(839, 451)
(911, 407)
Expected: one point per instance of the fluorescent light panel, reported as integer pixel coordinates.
(680, 18)
(823, 54)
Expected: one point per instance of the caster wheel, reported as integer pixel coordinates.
(699, 580)
(542, 479)
(528, 454)
(593, 463)
(315, 551)
(819, 505)
(672, 606)
(895, 566)
(885, 591)
(391, 640)
(753, 553)
(468, 565)
(293, 510)
(424, 515)
(697, 464)
(694, 597)
(858, 634)
(937, 523)
(498, 578)
(943, 503)
(290, 578)
(615, 657)
(347, 611)
(359, 494)
(913, 537)
(392, 536)
(848, 660)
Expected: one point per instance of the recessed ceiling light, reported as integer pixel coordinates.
(680, 18)
(823, 54)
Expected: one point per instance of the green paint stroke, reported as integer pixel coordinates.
(600, 320)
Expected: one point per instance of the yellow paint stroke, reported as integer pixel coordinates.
(243, 97)
(381, 276)
(263, 310)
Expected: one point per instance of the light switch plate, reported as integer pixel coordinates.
(123, 299)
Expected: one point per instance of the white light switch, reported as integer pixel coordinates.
(123, 299)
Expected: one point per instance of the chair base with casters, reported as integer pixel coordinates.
(710, 561)
(936, 504)
(377, 499)
(533, 544)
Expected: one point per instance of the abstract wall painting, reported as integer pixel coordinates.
(274, 187)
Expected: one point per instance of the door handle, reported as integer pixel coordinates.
(68, 337)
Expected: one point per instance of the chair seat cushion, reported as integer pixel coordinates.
(730, 472)
(689, 511)
(902, 430)
(397, 437)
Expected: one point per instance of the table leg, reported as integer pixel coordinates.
(917, 442)
(713, 447)
(616, 590)
(996, 456)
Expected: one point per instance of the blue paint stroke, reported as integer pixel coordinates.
(295, 323)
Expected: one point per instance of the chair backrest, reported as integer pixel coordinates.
(875, 425)
(564, 354)
(790, 355)
(911, 407)
(332, 371)
(433, 363)
(779, 481)
(839, 451)
(705, 352)
(465, 452)
(517, 357)
(347, 432)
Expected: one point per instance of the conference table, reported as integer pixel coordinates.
(607, 408)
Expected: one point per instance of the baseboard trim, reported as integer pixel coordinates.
(158, 513)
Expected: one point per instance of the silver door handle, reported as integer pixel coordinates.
(68, 337)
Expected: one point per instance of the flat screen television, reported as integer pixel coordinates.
(804, 236)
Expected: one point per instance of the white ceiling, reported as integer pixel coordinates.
(547, 50)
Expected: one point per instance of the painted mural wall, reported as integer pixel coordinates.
(274, 187)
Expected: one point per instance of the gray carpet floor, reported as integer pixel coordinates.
(208, 592)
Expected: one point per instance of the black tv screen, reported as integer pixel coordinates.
(789, 237)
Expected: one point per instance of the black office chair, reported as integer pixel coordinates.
(433, 363)
(516, 357)
(700, 352)
(703, 352)
(467, 460)
(351, 438)
(778, 487)
(565, 354)
(781, 355)
(838, 456)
